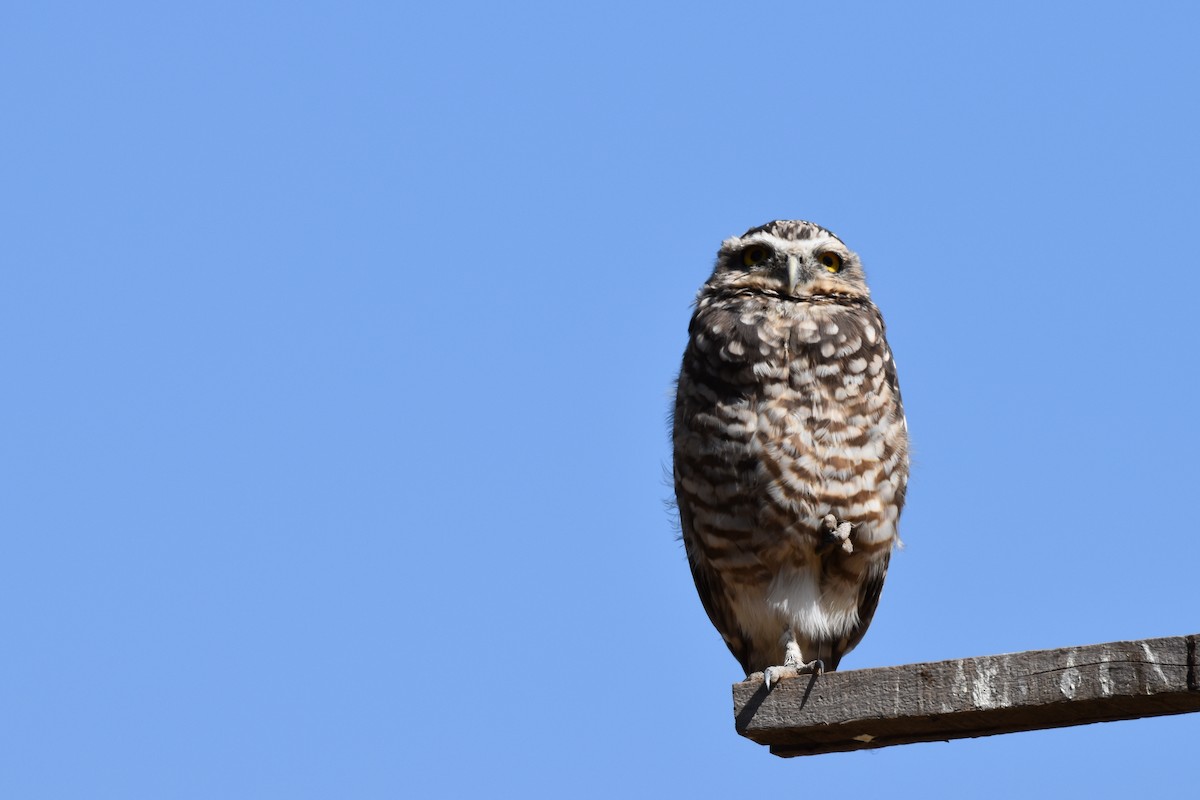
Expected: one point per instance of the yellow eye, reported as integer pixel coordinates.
(754, 255)
(831, 262)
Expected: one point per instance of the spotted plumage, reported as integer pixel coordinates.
(791, 448)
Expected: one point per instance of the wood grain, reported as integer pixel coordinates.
(969, 697)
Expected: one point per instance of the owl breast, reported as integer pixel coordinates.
(788, 411)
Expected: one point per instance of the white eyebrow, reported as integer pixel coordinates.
(778, 243)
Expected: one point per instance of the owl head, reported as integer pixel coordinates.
(790, 259)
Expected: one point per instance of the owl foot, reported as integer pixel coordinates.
(838, 532)
(793, 664)
(772, 675)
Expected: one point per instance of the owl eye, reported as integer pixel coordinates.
(754, 255)
(831, 262)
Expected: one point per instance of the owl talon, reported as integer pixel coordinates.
(772, 675)
(838, 532)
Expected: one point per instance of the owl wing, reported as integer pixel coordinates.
(714, 595)
(872, 585)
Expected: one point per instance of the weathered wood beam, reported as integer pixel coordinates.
(970, 697)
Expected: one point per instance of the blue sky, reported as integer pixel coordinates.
(339, 340)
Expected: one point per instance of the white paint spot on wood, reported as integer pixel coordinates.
(1104, 677)
(1069, 683)
(1154, 662)
(983, 693)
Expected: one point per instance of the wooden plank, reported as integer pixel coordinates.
(969, 697)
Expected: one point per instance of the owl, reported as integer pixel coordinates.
(790, 449)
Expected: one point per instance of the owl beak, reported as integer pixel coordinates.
(793, 268)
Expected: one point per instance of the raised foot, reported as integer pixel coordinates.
(838, 532)
(772, 675)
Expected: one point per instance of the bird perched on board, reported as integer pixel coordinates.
(790, 449)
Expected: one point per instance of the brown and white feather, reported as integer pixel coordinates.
(788, 410)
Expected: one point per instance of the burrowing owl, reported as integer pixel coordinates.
(791, 449)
